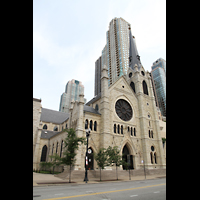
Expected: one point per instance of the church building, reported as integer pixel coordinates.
(123, 114)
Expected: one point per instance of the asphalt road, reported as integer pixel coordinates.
(146, 189)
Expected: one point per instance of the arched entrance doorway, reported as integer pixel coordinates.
(90, 159)
(127, 157)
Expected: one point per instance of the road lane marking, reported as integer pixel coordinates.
(157, 192)
(59, 194)
(134, 195)
(82, 195)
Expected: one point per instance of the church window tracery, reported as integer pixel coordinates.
(132, 84)
(97, 107)
(55, 128)
(52, 151)
(95, 126)
(86, 124)
(153, 155)
(118, 127)
(44, 127)
(151, 134)
(145, 89)
(56, 147)
(114, 128)
(61, 148)
(142, 73)
(123, 110)
(155, 158)
(44, 154)
(91, 124)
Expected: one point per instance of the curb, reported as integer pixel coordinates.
(90, 182)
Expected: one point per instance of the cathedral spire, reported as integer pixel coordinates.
(134, 57)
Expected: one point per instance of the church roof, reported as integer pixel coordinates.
(97, 97)
(45, 134)
(134, 57)
(53, 116)
(91, 110)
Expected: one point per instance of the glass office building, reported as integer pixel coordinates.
(158, 75)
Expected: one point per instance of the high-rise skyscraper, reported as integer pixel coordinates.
(72, 90)
(97, 83)
(115, 54)
(158, 75)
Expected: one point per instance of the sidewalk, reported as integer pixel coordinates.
(49, 179)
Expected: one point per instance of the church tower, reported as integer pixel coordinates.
(104, 108)
(140, 82)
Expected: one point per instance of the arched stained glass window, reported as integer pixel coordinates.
(95, 126)
(44, 154)
(44, 127)
(145, 89)
(132, 86)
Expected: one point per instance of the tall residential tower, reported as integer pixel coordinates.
(97, 83)
(158, 74)
(115, 54)
(72, 91)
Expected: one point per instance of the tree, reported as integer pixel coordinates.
(45, 165)
(101, 158)
(114, 157)
(56, 161)
(71, 145)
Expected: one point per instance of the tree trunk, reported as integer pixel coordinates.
(100, 173)
(70, 174)
(116, 172)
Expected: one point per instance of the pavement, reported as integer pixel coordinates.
(49, 179)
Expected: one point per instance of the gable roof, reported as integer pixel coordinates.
(127, 86)
(45, 134)
(97, 97)
(53, 116)
(91, 110)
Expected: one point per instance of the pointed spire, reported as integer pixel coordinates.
(134, 57)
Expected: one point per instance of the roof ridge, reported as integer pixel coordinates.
(54, 110)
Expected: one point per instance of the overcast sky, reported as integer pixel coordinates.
(69, 36)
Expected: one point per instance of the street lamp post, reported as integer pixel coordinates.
(144, 168)
(86, 156)
(129, 163)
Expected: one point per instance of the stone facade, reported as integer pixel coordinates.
(36, 132)
(139, 138)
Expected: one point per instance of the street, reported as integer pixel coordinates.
(144, 189)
